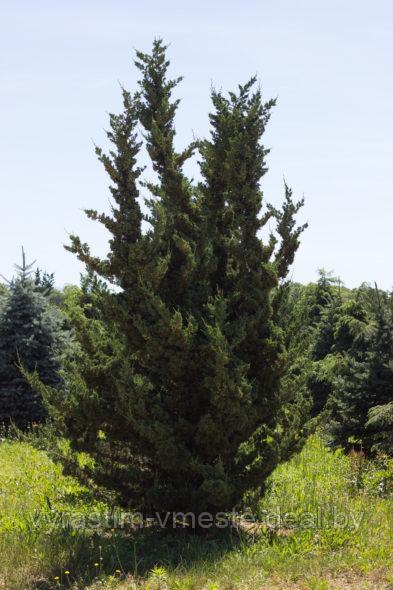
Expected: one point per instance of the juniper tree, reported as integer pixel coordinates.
(187, 416)
(30, 339)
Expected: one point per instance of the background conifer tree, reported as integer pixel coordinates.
(366, 376)
(31, 336)
(379, 427)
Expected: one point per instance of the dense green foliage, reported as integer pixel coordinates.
(180, 402)
(342, 342)
(31, 338)
(364, 333)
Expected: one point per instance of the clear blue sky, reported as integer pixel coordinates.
(331, 134)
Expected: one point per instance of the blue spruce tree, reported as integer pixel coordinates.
(31, 336)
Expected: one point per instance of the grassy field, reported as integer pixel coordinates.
(325, 522)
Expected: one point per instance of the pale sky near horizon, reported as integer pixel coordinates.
(331, 133)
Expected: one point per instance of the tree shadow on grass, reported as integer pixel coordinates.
(90, 554)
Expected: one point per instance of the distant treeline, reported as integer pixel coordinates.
(339, 344)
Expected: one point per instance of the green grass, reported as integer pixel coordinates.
(329, 517)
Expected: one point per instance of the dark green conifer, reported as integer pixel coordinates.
(186, 416)
(380, 427)
(365, 380)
